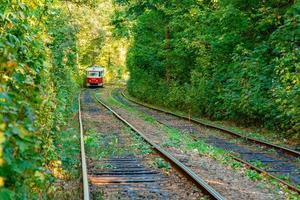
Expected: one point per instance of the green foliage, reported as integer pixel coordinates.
(253, 175)
(96, 42)
(258, 164)
(236, 165)
(140, 145)
(162, 164)
(38, 81)
(236, 60)
(67, 146)
(90, 3)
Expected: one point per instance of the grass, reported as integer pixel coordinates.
(106, 145)
(253, 175)
(236, 165)
(104, 166)
(98, 195)
(140, 145)
(177, 138)
(149, 119)
(171, 143)
(112, 101)
(162, 164)
(258, 164)
(103, 145)
(174, 139)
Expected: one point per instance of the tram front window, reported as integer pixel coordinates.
(93, 74)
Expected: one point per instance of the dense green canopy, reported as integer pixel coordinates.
(235, 60)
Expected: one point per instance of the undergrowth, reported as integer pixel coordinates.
(69, 171)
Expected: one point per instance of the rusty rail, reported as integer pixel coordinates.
(86, 192)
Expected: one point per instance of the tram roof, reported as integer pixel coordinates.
(95, 68)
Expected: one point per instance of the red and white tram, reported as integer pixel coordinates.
(94, 76)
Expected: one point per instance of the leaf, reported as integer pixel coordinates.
(22, 145)
(6, 194)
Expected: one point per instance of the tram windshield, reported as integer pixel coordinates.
(94, 74)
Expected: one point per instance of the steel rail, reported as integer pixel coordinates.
(192, 175)
(233, 156)
(209, 125)
(291, 187)
(86, 192)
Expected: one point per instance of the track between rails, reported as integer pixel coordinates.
(279, 165)
(130, 171)
(193, 176)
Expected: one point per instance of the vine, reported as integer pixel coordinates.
(38, 76)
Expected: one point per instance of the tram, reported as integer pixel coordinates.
(94, 76)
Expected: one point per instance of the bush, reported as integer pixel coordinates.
(38, 83)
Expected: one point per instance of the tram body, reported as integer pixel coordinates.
(94, 76)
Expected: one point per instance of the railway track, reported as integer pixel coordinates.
(123, 171)
(280, 163)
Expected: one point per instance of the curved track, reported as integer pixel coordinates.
(273, 160)
(131, 167)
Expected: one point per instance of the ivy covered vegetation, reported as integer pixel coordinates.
(38, 75)
(44, 47)
(222, 59)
